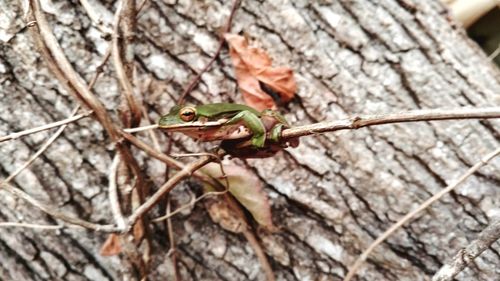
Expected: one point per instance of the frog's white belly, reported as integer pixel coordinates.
(225, 132)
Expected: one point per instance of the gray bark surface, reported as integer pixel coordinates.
(330, 197)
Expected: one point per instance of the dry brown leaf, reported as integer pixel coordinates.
(253, 65)
(222, 214)
(247, 189)
(138, 231)
(111, 246)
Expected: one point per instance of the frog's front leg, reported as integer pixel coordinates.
(253, 123)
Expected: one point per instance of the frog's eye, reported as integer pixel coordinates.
(187, 114)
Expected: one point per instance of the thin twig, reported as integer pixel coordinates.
(197, 78)
(165, 158)
(32, 225)
(171, 238)
(74, 83)
(465, 256)
(114, 200)
(151, 133)
(423, 206)
(100, 67)
(190, 204)
(96, 19)
(381, 119)
(99, 70)
(47, 209)
(170, 231)
(122, 49)
(39, 152)
(142, 128)
(495, 53)
(51, 210)
(212, 154)
(188, 170)
(259, 252)
(44, 127)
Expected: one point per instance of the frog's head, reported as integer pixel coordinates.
(178, 117)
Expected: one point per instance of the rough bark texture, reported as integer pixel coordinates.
(331, 196)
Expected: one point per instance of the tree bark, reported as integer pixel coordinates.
(330, 197)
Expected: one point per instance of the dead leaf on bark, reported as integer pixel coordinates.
(247, 189)
(222, 214)
(252, 65)
(111, 246)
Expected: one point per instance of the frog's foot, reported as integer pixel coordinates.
(275, 133)
(253, 123)
(258, 140)
(275, 136)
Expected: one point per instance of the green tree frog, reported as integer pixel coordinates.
(226, 122)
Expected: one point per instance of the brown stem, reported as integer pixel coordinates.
(166, 187)
(197, 78)
(466, 256)
(123, 57)
(45, 127)
(423, 206)
(59, 215)
(62, 68)
(381, 119)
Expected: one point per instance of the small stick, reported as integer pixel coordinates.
(45, 127)
(190, 204)
(360, 121)
(140, 129)
(172, 252)
(165, 158)
(39, 152)
(114, 201)
(35, 226)
(197, 78)
(96, 19)
(166, 187)
(495, 53)
(56, 214)
(465, 256)
(45, 208)
(423, 206)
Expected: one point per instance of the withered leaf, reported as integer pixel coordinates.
(247, 189)
(111, 246)
(253, 65)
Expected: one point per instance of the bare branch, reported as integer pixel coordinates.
(40, 226)
(39, 152)
(495, 53)
(48, 209)
(140, 129)
(96, 19)
(114, 201)
(56, 214)
(357, 122)
(171, 238)
(190, 204)
(423, 206)
(259, 252)
(45, 127)
(197, 78)
(165, 158)
(465, 256)
(122, 51)
(188, 170)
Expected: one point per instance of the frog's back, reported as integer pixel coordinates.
(213, 109)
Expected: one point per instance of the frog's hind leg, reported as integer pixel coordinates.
(253, 123)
